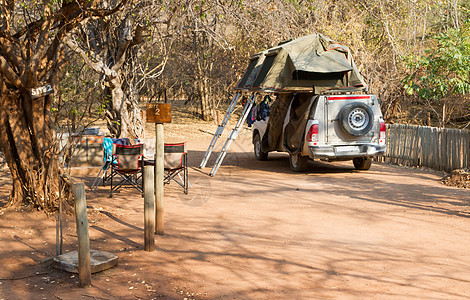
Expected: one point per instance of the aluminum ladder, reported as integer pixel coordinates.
(233, 135)
(219, 130)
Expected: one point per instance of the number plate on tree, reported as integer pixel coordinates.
(41, 91)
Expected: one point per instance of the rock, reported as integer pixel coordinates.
(99, 261)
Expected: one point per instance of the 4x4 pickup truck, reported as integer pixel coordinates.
(327, 127)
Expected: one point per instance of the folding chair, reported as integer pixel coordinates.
(127, 164)
(176, 164)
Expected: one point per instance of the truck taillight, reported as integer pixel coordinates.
(382, 133)
(312, 135)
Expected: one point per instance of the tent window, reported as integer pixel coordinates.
(249, 69)
(268, 63)
(303, 75)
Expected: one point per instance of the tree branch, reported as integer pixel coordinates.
(40, 46)
(105, 12)
(69, 10)
(7, 44)
(9, 74)
(99, 67)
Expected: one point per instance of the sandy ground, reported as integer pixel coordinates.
(258, 231)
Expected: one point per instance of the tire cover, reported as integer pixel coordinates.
(356, 118)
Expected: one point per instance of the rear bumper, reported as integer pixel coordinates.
(345, 152)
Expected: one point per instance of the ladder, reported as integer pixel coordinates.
(233, 135)
(220, 130)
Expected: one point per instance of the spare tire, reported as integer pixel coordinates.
(356, 118)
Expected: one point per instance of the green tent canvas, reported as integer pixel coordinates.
(312, 63)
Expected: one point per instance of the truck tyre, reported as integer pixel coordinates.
(356, 119)
(260, 155)
(362, 163)
(298, 163)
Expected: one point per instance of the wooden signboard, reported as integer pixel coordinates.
(158, 113)
(41, 91)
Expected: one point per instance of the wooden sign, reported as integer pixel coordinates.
(41, 91)
(158, 113)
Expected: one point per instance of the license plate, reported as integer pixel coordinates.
(348, 149)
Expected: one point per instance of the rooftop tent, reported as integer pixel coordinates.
(299, 65)
(254, 66)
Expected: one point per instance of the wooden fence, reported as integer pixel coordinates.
(422, 146)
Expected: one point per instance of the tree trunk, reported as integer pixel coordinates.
(203, 89)
(31, 55)
(205, 106)
(123, 116)
(135, 116)
(30, 148)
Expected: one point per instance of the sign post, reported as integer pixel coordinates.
(159, 113)
(149, 209)
(159, 176)
(84, 267)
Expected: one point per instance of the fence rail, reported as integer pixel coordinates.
(422, 146)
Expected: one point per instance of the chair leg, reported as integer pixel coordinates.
(132, 179)
(111, 191)
(185, 174)
(182, 173)
(104, 177)
(97, 180)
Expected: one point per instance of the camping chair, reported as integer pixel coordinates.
(127, 164)
(176, 164)
(103, 175)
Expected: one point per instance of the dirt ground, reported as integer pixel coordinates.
(257, 231)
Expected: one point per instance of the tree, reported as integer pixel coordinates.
(442, 72)
(32, 55)
(115, 48)
(216, 39)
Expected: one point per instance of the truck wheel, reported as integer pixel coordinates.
(356, 118)
(260, 155)
(298, 163)
(362, 163)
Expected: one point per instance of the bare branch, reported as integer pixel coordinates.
(99, 67)
(105, 12)
(9, 74)
(10, 47)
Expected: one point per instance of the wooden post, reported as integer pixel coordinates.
(59, 232)
(159, 113)
(159, 175)
(57, 235)
(84, 268)
(149, 209)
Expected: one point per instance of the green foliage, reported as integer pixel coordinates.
(444, 69)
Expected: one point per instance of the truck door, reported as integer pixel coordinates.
(349, 119)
